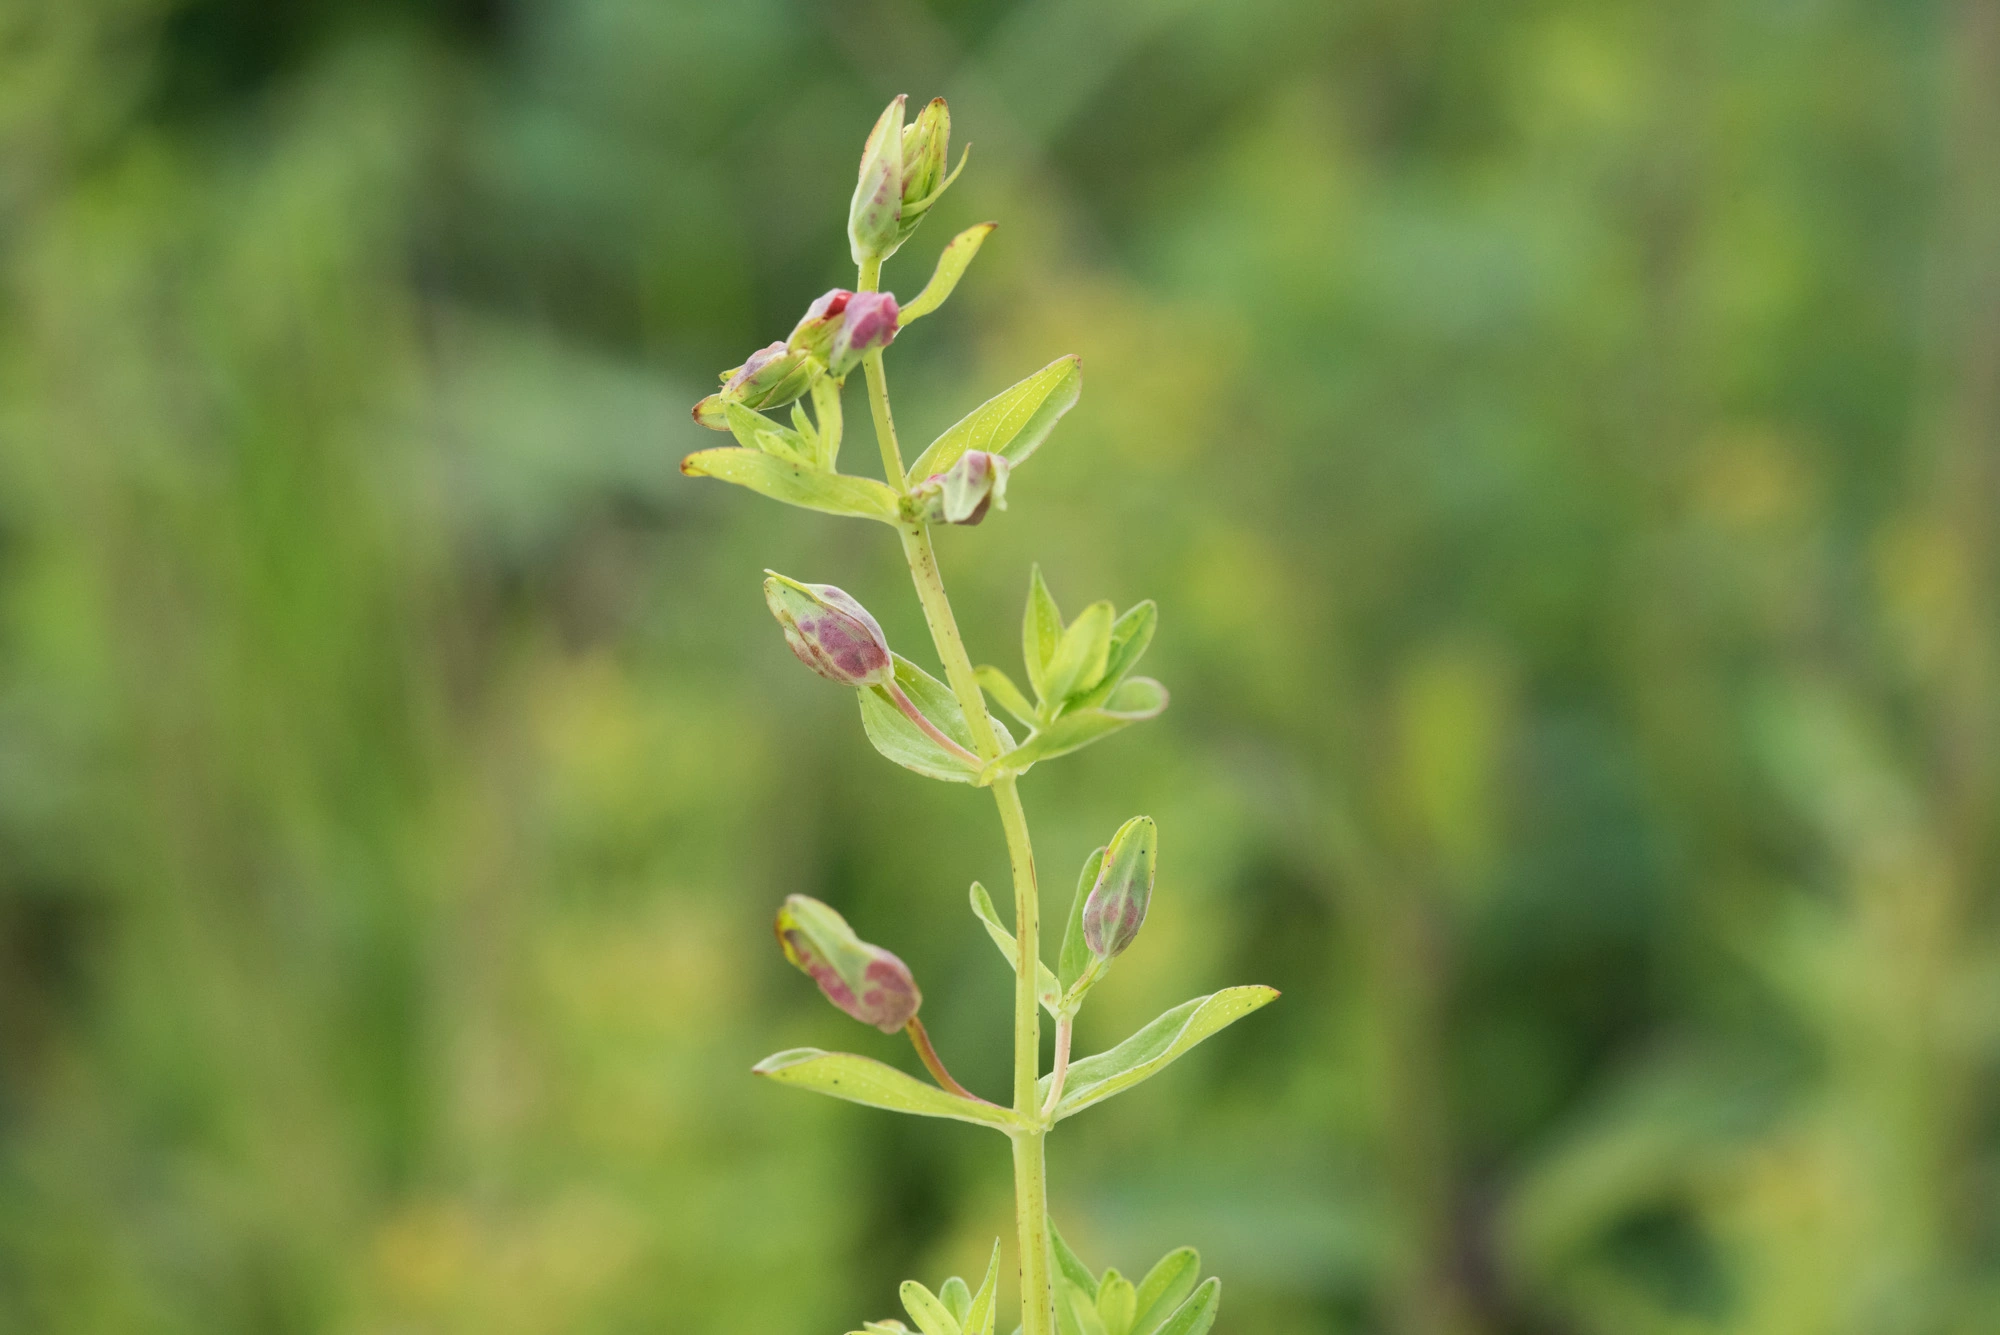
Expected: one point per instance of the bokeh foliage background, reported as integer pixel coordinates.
(1562, 439)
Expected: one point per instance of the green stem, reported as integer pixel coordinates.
(1031, 1197)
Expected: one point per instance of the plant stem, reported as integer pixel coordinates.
(1064, 1026)
(920, 1038)
(1031, 1202)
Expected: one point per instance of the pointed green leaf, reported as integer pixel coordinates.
(1197, 1314)
(1069, 1264)
(1083, 1309)
(956, 1297)
(986, 1301)
(1137, 699)
(1131, 634)
(1013, 423)
(1164, 1288)
(843, 1075)
(1046, 989)
(1041, 632)
(1117, 1303)
(958, 253)
(795, 483)
(1080, 655)
(931, 1315)
(1075, 955)
(1005, 693)
(755, 431)
(889, 1327)
(902, 741)
(1155, 1047)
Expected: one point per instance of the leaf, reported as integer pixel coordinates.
(1041, 631)
(796, 484)
(1164, 1287)
(1131, 634)
(1082, 1308)
(986, 1302)
(1013, 423)
(1197, 1314)
(1078, 661)
(1155, 1047)
(931, 1315)
(1047, 991)
(843, 1075)
(957, 254)
(1116, 1303)
(1005, 693)
(1074, 957)
(956, 1297)
(755, 431)
(902, 741)
(1069, 1264)
(1137, 699)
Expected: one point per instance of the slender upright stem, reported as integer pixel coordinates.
(1031, 1198)
(1064, 1030)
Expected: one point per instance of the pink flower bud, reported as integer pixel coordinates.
(830, 632)
(962, 493)
(1117, 905)
(814, 334)
(868, 323)
(866, 981)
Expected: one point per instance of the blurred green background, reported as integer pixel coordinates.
(1563, 438)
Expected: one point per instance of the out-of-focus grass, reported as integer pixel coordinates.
(1562, 441)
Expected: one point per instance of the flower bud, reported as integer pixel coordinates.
(773, 377)
(926, 149)
(962, 493)
(866, 981)
(868, 322)
(830, 632)
(878, 192)
(814, 334)
(1116, 908)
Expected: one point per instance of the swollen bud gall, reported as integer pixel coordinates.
(864, 980)
(773, 377)
(878, 192)
(868, 322)
(962, 493)
(1117, 905)
(830, 632)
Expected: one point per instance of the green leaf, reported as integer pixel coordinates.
(1078, 662)
(1116, 1303)
(796, 484)
(1197, 1314)
(1041, 631)
(931, 1315)
(1083, 1309)
(957, 254)
(1131, 634)
(1080, 727)
(755, 431)
(843, 1075)
(1075, 957)
(1069, 1264)
(902, 741)
(986, 1302)
(1013, 423)
(956, 1297)
(1155, 1047)
(1165, 1286)
(1047, 991)
(1005, 693)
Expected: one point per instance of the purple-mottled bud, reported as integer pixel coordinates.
(962, 493)
(830, 632)
(773, 377)
(814, 334)
(868, 323)
(866, 981)
(1116, 908)
(878, 192)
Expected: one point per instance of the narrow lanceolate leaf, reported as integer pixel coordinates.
(1046, 989)
(843, 1075)
(1117, 1303)
(1155, 1047)
(1075, 956)
(1069, 1264)
(931, 1315)
(1078, 662)
(902, 741)
(1197, 1314)
(1082, 1309)
(950, 268)
(1041, 632)
(1139, 698)
(1165, 1287)
(1013, 423)
(1131, 634)
(754, 431)
(986, 1301)
(1005, 693)
(795, 483)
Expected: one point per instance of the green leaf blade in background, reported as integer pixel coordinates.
(1155, 1047)
(796, 483)
(1013, 423)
